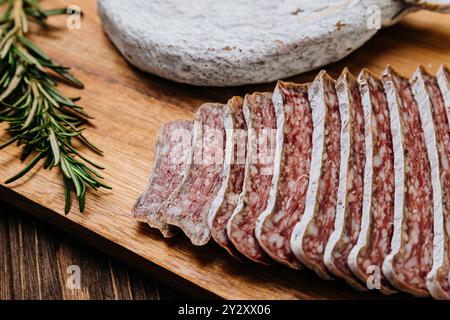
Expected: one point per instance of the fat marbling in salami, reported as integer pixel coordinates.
(259, 190)
(366, 258)
(203, 189)
(350, 192)
(173, 151)
(311, 234)
(410, 259)
(274, 227)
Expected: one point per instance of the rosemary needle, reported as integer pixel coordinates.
(39, 117)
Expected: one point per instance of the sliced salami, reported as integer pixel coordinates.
(311, 234)
(274, 227)
(410, 259)
(366, 258)
(203, 189)
(351, 176)
(260, 174)
(173, 151)
(437, 138)
(219, 219)
(439, 278)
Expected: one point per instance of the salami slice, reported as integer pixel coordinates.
(204, 187)
(274, 227)
(351, 176)
(173, 150)
(311, 234)
(410, 259)
(260, 173)
(219, 219)
(439, 278)
(437, 137)
(366, 258)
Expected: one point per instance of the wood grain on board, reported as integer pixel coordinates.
(38, 262)
(130, 106)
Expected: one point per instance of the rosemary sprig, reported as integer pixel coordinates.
(39, 117)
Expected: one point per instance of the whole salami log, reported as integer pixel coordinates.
(350, 192)
(437, 137)
(410, 259)
(204, 187)
(311, 234)
(274, 227)
(433, 5)
(173, 151)
(218, 220)
(260, 173)
(170, 38)
(366, 258)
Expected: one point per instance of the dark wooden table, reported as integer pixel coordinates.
(40, 262)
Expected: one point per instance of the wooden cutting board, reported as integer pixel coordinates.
(130, 107)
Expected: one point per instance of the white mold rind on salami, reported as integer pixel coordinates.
(311, 234)
(410, 259)
(204, 187)
(366, 258)
(437, 137)
(218, 219)
(443, 77)
(351, 175)
(261, 171)
(171, 165)
(274, 226)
